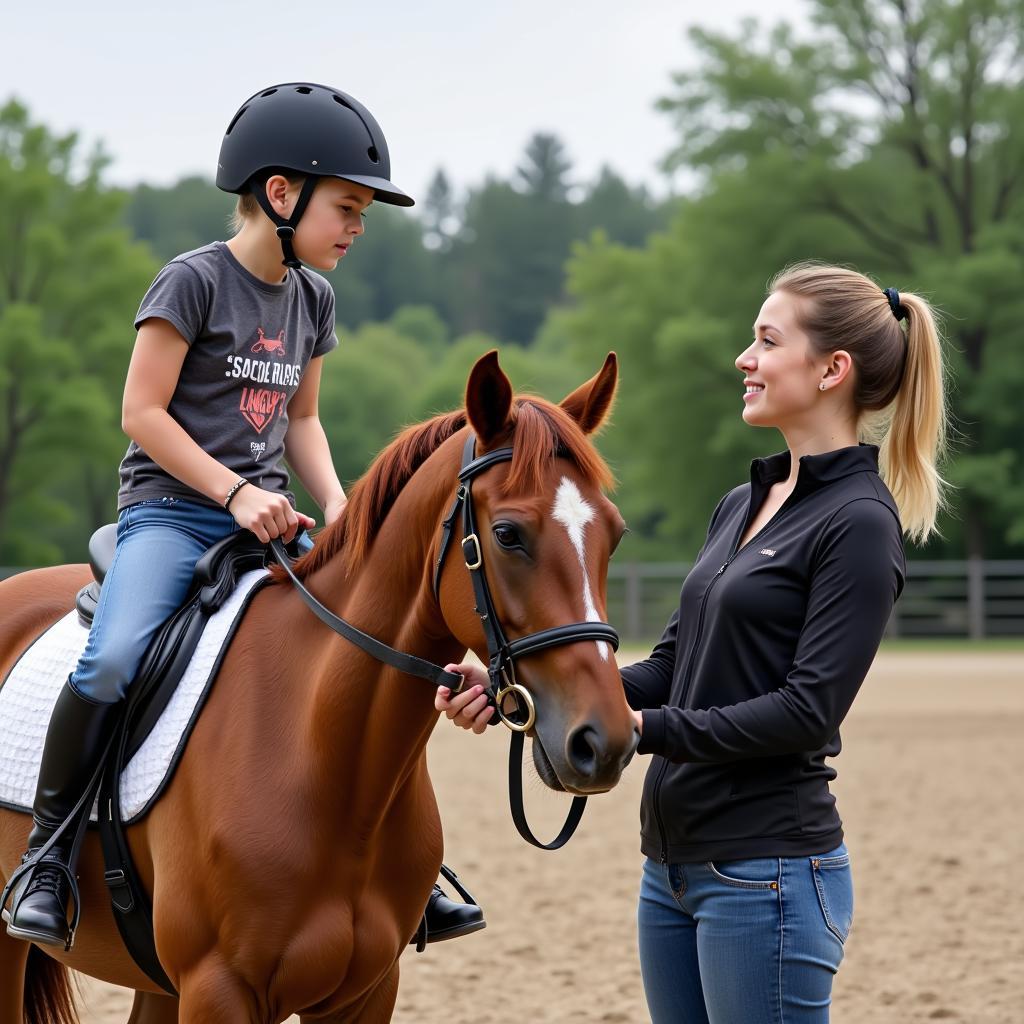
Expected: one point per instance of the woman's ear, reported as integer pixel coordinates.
(839, 367)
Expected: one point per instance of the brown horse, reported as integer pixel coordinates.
(293, 852)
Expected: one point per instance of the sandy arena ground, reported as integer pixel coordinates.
(929, 789)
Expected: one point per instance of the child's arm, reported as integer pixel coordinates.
(306, 447)
(152, 378)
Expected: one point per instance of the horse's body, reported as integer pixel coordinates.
(290, 858)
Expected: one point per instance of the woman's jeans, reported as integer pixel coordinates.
(746, 941)
(159, 542)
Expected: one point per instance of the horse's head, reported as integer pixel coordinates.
(545, 534)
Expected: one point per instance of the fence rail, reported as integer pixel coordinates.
(972, 598)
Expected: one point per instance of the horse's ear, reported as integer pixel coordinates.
(589, 403)
(488, 398)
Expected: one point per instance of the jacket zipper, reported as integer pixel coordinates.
(682, 697)
(693, 654)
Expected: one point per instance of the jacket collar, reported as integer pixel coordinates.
(815, 470)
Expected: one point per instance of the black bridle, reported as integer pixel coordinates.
(513, 703)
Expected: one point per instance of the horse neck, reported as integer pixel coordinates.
(364, 712)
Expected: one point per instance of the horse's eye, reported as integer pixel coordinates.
(507, 536)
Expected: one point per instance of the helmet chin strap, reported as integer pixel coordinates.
(286, 226)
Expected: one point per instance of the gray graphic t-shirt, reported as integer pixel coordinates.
(249, 344)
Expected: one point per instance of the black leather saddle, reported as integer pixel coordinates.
(216, 574)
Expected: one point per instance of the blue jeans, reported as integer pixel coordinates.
(744, 942)
(159, 542)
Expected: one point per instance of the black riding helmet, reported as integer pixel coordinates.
(310, 129)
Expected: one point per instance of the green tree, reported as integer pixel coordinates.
(189, 214)
(883, 138)
(544, 172)
(440, 213)
(925, 170)
(626, 215)
(507, 265)
(70, 282)
(368, 392)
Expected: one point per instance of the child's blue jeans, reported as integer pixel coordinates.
(744, 942)
(159, 542)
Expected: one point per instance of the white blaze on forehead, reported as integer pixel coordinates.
(574, 512)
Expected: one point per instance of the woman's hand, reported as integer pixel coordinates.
(638, 717)
(469, 709)
(267, 514)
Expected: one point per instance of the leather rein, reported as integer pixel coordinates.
(513, 703)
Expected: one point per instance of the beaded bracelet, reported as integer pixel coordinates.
(235, 488)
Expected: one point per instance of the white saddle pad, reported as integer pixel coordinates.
(30, 691)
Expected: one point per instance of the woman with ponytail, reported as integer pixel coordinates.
(746, 899)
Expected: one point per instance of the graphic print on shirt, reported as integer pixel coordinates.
(265, 344)
(259, 405)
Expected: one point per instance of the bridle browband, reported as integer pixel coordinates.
(503, 688)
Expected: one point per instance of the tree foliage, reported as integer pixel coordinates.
(882, 137)
(70, 281)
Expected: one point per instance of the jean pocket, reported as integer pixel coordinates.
(757, 873)
(834, 883)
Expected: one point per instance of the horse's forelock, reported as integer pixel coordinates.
(542, 430)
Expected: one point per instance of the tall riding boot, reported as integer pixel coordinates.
(446, 919)
(75, 742)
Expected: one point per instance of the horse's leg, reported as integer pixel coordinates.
(13, 961)
(211, 993)
(153, 1009)
(377, 1008)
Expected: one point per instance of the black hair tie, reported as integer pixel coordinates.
(898, 309)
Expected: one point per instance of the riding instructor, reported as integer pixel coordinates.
(746, 898)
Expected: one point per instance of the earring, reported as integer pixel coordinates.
(821, 386)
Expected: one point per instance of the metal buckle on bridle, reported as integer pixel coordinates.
(479, 559)
(522, 698)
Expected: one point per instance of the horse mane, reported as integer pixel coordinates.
(539, 431)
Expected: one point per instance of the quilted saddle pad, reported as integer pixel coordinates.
(30, 691)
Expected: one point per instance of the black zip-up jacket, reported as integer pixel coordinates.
(743, 696)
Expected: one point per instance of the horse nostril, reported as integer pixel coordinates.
(585, 750)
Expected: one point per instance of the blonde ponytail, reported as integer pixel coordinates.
(915, 436)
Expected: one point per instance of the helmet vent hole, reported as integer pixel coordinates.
(269, 92)
(373, 154)
(234, 120)
(338, 99)
(304, 89)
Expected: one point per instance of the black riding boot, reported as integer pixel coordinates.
(75, 741)
(446, 919)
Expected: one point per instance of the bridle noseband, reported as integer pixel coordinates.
(503, 689)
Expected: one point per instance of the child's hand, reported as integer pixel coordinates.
(469, 709)
(268, 514)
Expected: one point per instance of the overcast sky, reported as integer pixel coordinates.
(455, 83)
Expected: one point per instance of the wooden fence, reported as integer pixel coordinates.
(971, 598)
